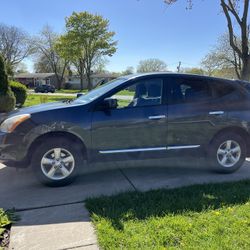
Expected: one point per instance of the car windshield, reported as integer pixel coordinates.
(101, 90)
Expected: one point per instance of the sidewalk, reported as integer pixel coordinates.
(54, 228)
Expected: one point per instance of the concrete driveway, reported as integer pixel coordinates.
(55, 218)
(20, 190)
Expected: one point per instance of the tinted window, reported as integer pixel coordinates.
(222, 89)
(146, 92)
(188, 90)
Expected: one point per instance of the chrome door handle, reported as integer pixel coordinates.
(157, 117)
(216, 113)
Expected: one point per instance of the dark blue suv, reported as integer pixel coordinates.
(143, 116)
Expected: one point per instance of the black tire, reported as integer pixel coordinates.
(48, 145)
(215, 160)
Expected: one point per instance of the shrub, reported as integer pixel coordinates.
(7, 101)
(7, 98)
(20, 92)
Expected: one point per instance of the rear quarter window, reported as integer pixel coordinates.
(225, 90)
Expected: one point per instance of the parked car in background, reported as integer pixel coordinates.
(44, 88)
(162, 115)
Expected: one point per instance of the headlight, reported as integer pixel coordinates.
(10, 124)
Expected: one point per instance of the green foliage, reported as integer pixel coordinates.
(196, 71)
(20, 92)
(212, 216)
(86, 41)
(7, 101)
(7, 98)
(4, 219)
(3, 77)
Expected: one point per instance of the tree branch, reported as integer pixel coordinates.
(230, 28)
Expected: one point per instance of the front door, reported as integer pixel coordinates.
(137, 126)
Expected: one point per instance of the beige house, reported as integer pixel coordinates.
(73, 82)
(32, 79)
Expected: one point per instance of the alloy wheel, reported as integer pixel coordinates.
(57, 164)
(228, 153)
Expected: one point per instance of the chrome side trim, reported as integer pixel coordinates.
(183, 147)
(156, 117)
(147, 149)
(216, 113)
(131, 150)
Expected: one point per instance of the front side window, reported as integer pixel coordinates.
(189, 91)
(99, 91)
(143, 93)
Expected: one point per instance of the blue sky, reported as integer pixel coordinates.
(144, 28)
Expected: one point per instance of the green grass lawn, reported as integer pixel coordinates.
(126, 92)
(213, 216)
(38, 99)
(70, 91)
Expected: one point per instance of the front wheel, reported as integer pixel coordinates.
(227, 152)
(56, 162)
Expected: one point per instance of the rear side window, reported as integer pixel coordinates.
(225, 90)
(189, 90)
(222, 89)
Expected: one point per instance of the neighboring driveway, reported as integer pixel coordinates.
(20, 190)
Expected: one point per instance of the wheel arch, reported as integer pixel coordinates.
(72, 137)
(237, 130)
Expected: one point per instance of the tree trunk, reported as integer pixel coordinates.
(245, 74)
(58, 82)
(89, 81)
(81, 80)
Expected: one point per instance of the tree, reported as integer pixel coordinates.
(21, 68)
(128, 71)
(196, 71)
(42, 65)
(87, 39)
(7, 98)
(151, 65)
(222, 56)
(99, 65)
(15, 46)
(47, 53)
(236, 12)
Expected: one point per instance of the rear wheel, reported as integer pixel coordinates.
(227, 152)
(57, 161)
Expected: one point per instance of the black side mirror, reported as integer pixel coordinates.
(79, 95)
(109, 103)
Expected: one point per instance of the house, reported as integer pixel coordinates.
(74, 82)
(32, 79)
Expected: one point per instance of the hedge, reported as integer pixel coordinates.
(20, 92)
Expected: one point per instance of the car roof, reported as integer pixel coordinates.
(138, 75)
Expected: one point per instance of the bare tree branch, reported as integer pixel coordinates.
(15, 45)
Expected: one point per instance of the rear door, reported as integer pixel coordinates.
(192, 112)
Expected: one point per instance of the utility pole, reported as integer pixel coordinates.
(179, 67)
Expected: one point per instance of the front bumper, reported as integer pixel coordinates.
(10, 153)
